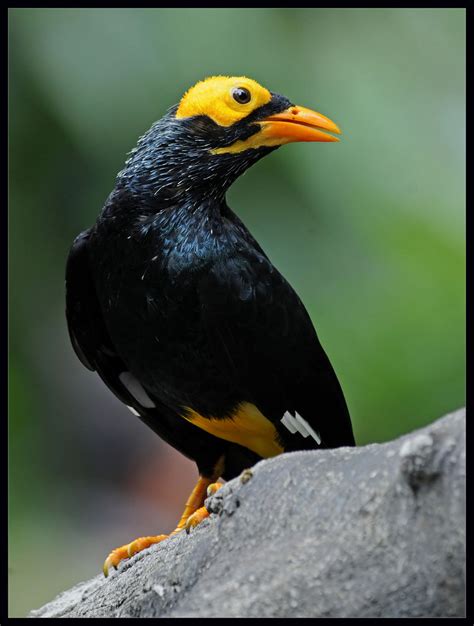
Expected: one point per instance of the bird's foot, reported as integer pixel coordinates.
(191, 517)
(128, 550)
(202, 513)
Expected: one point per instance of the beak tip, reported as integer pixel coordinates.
(298, 123)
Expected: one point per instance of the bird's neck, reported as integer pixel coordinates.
(166, 169)
(192, 218)
(162, 173)
(189, 234)
(193, 214)
(135, 204)
(155, 194)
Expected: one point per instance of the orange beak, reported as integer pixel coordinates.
(298, 124)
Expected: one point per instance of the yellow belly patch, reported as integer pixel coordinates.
(246, 426)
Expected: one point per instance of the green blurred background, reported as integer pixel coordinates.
(369, 231)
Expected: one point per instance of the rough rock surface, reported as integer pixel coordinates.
(376, 531)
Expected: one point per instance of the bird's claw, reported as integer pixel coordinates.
(128, 550)
(202, 513)
(213, 487)
(110, 561)
(196, 518)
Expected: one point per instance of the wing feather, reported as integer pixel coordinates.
(264, 337)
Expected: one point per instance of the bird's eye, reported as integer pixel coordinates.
(241, 95)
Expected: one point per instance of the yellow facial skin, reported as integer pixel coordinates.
(259, 140)
(213, 97)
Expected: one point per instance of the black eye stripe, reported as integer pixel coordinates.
(241, 95)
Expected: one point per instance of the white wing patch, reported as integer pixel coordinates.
(289, 421)
(310, 430)
(133, 410)
(299, 424)
(136, 389)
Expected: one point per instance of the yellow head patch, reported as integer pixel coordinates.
(214, 97)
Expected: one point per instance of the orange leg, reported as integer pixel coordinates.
(200, 514)
(194, 512)
(194, 502)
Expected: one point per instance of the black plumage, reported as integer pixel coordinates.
(176, 306)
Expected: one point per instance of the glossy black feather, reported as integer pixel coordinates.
(95, 349)
(170, 286)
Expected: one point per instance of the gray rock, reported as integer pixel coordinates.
(376, 531)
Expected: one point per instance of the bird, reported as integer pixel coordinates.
(179, 310)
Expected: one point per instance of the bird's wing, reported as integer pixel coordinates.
(95, 349)
(264, 338)
(87, 329)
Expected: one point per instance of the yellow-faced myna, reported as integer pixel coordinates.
(180, 311)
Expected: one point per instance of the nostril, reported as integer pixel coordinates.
(294, 111)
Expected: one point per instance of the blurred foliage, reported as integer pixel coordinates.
(369, 231)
